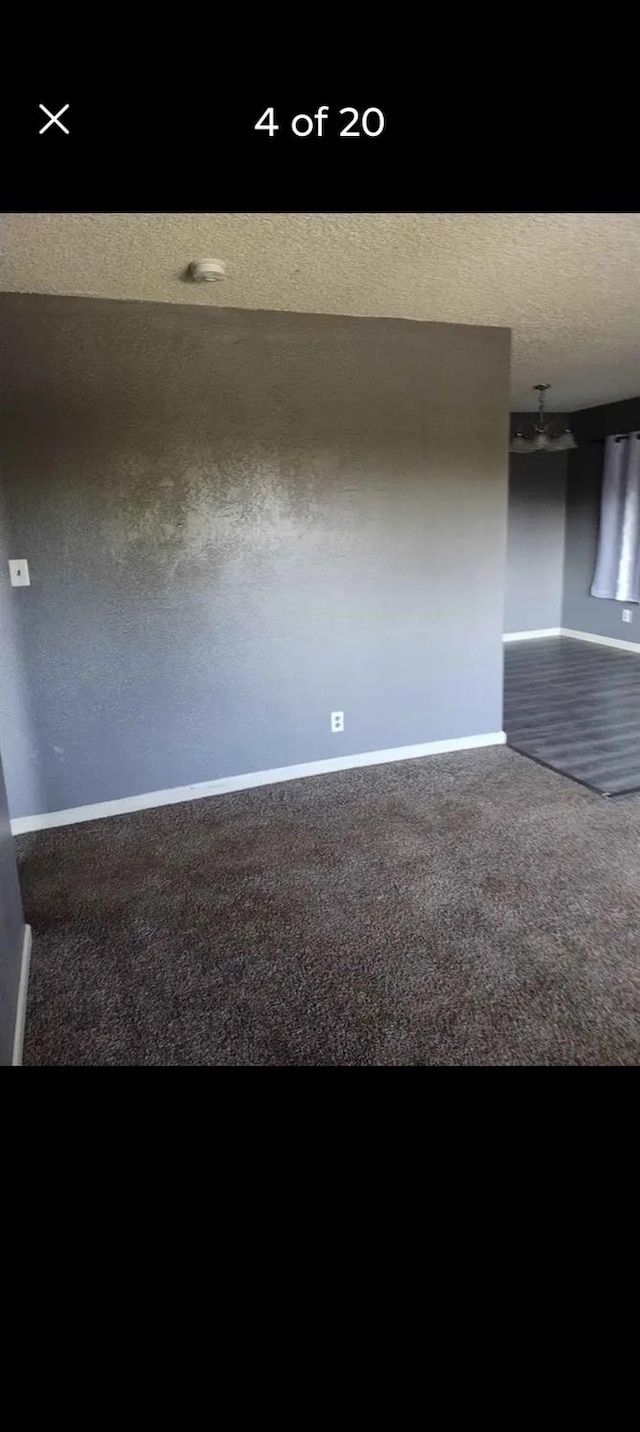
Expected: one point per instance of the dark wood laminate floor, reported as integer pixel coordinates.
(575, 706)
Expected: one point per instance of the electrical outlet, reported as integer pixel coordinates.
(19, 572)
(337, 721)
(627, 614)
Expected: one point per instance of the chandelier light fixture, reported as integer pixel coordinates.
(540, 436)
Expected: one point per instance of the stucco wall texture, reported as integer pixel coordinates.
(236, 523)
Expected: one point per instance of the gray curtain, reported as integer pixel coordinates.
(617, 571)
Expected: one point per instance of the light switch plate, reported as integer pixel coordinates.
(19, 571)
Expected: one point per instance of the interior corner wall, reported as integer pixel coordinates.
(14, 746)
(18, 743)
(535, 540)
(581, 611)
(238, 522)
(12, 929)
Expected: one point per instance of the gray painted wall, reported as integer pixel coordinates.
(17, 727)
(11, 931)
(581, 611)
(14, 720)
(238, 522)
(535, 542)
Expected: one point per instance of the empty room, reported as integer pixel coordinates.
(320, 681)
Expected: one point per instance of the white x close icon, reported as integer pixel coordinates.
(54, 119)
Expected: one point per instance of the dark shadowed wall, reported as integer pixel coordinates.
(18, 745)
(11, 932)
(238, 522)
(535, 543)
(581, 611)
(15, 749)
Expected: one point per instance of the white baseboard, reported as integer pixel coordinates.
(577, 636)
(21, 1007)
(601, 640)
(529, 635)
(20, 825)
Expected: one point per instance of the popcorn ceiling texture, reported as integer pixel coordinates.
(567, 284)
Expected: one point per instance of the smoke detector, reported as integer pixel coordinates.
(208, 271)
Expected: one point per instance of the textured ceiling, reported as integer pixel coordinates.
(567, 284)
